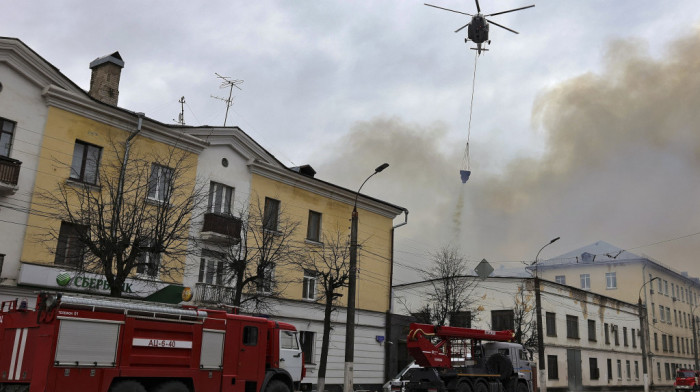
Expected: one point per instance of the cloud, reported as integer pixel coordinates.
(621, 164)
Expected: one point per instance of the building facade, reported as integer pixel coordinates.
(591, 341)
(669, 299)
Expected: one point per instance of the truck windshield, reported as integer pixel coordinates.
(685, 374)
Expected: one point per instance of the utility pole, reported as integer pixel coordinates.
(641, 309)
(695, 342)
(540, 334)
(352, 287)
(230, 83)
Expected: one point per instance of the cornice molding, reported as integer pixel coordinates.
(324, 189)
(234, 138)
(35, 69)
(119, 118)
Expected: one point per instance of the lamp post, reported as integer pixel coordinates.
(695, 336)
(352, 286)
(642, 329)
(538, 309)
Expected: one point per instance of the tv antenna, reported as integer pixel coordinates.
(181, 117)
(230, 83)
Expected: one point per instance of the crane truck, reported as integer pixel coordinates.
(72, 343)
(454, 359)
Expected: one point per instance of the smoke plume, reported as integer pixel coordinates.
(621, 164)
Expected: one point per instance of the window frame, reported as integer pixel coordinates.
(551, 321)
(611, 280)
(68, 242)
(271, 213)
(313, 227)
(572, 327)
(309, 285)
(552, 367)
(503, 319)
(162, 176)
(561, 279)
(220, 199)
(10, 139)
(307, 341)
(80, 175)
(585, 281)
(145, 267)
(211, 267)
(592, 336)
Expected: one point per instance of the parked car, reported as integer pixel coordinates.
(398, 383)
(687, 380)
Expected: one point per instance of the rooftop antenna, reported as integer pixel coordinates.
(230, 83)
(181, 117)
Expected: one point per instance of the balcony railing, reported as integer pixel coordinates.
(206, 293)
(9, 171)
(229, 227)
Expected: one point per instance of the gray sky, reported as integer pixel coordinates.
(584, 125)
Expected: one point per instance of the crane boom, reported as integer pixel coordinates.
(432, 345)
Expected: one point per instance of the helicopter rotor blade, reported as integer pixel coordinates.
(457, 31)
(447, 9)
(478, 9)
(513, 10)
(503, 27)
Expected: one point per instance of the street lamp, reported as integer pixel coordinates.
(352, 285)
(538, 307)
(642, 329)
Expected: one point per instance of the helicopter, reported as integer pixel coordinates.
(478, 31)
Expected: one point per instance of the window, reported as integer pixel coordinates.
(288, 340)
(666, 288)
(670, 343)
(616, 334)
(70, 250)
(211, 267)
(591, 330)
(664, 343)
(313, 231)
(675, 317)
(593, 368)
(658, 370)
(610, 374)
(572, 327)
(660, 286)
(266, 276)
(653, 311)
(7, 133)
(624, 337)
(502, 320)
(552, 367)
(586, 281)
(220, 198)
(551, 323)
(628, 367)
(271, 214)
(634, 338)
(656, 341)
(309, 285)
(636, 370)
(673, 291)
(149, 262)
(663, 313)
(610, 280)
(561, 279)
(667, 368)
(668, 315)
(461, 319)
(250, 335)
(619, 369)
(86, 160)
(160, 183)
(607, 334)
(307, 340)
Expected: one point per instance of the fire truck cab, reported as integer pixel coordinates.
(98, 344)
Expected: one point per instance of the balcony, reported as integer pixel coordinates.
(221, 228)
(206, 293)
(9, 175)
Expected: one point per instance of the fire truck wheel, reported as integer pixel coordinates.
(501, 365)
(464, 387)
(127, 386)
(277, 386)
(481, 387)
(172, 386)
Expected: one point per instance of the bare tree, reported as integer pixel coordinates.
(329, 264)
(524, 316)
(266, 244)
(450, 287)
(130, 216)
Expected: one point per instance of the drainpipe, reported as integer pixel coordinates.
(388, 342)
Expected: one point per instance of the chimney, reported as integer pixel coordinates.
(104, 83)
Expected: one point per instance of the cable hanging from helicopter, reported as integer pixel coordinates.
(477, 32)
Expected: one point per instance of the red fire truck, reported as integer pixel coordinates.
(72, 343)
(453, 359)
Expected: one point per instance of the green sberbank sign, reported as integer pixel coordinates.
(67, 279)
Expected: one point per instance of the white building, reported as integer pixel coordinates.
(591, 341)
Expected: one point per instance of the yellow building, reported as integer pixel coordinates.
(77, 170)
